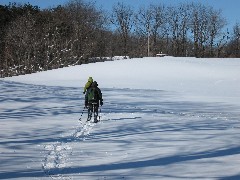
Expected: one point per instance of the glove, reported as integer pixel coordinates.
(101, 103)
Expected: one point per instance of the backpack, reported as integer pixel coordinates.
(92, 95)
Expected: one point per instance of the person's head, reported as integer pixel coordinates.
(94, 84)
(90, 79)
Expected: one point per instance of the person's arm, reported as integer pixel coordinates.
(100, 97)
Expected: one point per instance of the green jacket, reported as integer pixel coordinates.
(88, 84)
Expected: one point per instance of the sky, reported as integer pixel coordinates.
(230, 8)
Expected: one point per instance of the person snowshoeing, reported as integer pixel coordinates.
(93, 99)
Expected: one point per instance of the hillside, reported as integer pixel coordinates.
(162, 118)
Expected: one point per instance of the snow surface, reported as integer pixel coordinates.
(162, 118)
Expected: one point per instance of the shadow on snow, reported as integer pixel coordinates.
(40, 101)
(131, 165)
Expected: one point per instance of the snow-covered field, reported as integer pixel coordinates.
(162, 118)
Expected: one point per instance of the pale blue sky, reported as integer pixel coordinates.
(230, 8)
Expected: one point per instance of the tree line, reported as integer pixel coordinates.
(34, 39)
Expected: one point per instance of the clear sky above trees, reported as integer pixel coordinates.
(230, 9)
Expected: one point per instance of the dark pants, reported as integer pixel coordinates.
(93, 110)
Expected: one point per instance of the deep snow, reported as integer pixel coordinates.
(162, 118)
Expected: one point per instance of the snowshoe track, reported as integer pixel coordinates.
(58, 154)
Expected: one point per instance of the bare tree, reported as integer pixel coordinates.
(143, 24)
(20, 46)
(158, 25)
(199, 28)
(87, 23)
(206, 25)
(234, 44)
(150, 23)
(216, 24)
(122, 18)
(179, 18)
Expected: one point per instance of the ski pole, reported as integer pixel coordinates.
(100, 113)
(81, 114)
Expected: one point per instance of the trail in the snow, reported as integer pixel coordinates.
(58, 154)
